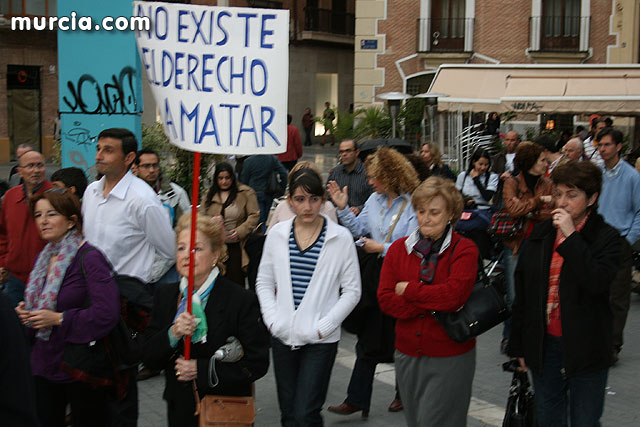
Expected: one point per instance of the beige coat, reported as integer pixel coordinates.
(246, 221)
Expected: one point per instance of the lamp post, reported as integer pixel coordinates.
(431, 105)
(394, 101)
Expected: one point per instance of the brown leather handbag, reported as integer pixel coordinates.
(226, 411)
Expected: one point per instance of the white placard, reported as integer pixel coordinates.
(219, 75)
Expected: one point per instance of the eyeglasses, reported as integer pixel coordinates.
(149, 166)
(32, 166)
(349, 150)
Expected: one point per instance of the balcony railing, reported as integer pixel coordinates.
(329, 21)
(445, 35)
(559, 33)
(266, 4)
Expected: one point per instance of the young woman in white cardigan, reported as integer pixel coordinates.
(308, 282)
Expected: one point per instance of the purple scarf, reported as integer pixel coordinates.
(429, 250)
(41, 292)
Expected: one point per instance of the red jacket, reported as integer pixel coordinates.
(20, 240)
(417, 331)
(294, 145)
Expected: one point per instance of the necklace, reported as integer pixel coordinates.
(303, 243)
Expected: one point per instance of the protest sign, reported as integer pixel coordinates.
(219, 75)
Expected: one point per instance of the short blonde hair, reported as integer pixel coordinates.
(393, 170)
(436, 186)
(212, 229)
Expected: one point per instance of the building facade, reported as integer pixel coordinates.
(400, 43)
(320, 66)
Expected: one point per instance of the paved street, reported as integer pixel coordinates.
(490, 387)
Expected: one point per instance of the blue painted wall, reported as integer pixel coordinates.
(100, 84)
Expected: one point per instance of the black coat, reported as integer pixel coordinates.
(591, 260)
(230, 311)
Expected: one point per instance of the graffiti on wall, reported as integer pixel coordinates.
(115, 96)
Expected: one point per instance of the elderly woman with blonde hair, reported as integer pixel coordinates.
(284, 211)
(434, 268)
(223, 314)
(387, 216)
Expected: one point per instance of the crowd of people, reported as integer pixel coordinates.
(375, 249)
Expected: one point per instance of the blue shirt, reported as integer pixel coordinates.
(303, 263)
(376, 219)
(619, 202)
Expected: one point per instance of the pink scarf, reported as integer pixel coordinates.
(41, 292)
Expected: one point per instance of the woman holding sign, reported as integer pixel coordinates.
(223, 315)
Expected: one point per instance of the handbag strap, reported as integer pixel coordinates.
(482, 275)
(395, 222)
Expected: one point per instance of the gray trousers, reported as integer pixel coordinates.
(435, 390)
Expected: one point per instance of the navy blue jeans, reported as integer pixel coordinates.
(583, 394)
(302, 381)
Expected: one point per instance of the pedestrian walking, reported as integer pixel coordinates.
(308, 282)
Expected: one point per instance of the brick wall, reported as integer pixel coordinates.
(401, 28)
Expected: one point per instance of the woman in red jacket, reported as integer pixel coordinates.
(434, 268)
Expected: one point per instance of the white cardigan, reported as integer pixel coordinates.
(333, 292)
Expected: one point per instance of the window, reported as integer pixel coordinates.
(560, 24)
(447, 24)
(29, 7)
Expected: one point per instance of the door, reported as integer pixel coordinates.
(23, 106)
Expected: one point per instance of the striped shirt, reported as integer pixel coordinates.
(356, 180)
(303, 263)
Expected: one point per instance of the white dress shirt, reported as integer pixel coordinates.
(129, 226)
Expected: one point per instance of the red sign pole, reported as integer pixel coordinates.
(195, 197)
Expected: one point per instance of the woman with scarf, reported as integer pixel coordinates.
(223, 313)
(387, 216)
(528, 195)
(236, 206)
(434, 268)
(561, 317)
(70, 297)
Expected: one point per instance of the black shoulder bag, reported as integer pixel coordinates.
(102, 362)
(484, 309)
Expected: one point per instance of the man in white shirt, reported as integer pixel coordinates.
(122, 214)
(125, 220)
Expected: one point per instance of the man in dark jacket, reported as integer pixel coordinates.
(256, 173)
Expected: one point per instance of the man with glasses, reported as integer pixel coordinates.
(20, 240)
(619, 205)
(351, 173)
(171, 195)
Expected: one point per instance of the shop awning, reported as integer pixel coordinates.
(605, 89)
